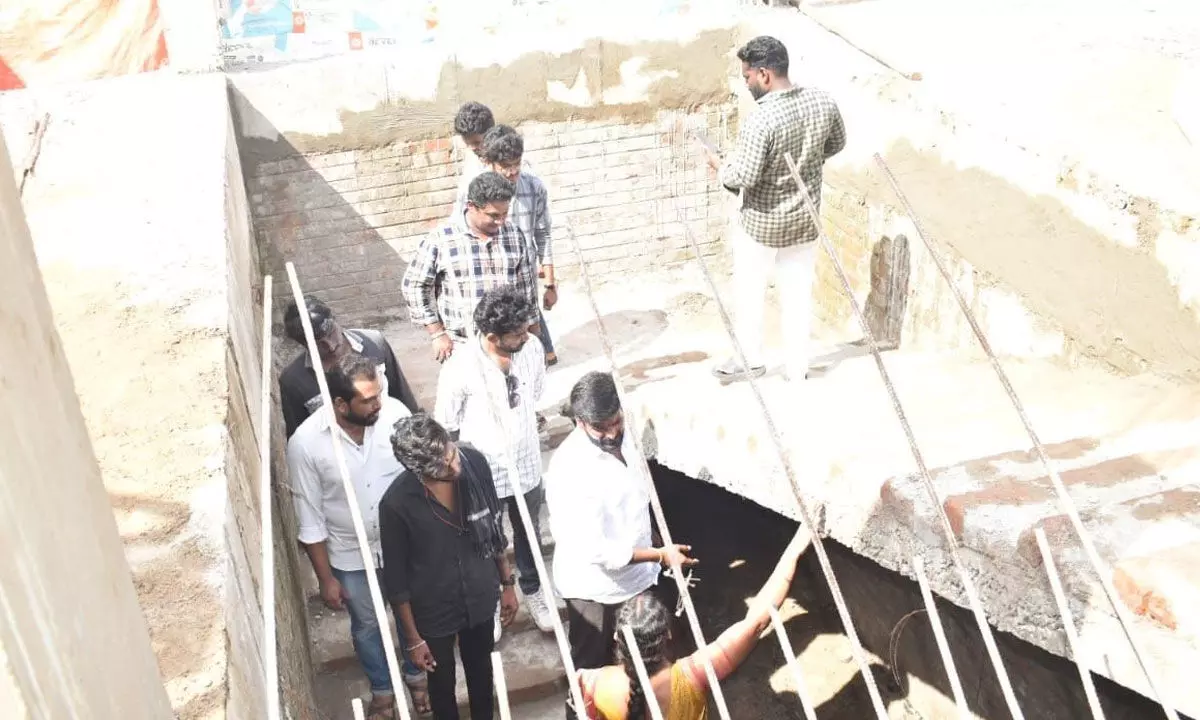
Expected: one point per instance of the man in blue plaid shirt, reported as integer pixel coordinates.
(774, 229)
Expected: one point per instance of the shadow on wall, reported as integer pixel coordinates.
(1119, 303)
(302, 213)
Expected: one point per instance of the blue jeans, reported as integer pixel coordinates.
(522, 548)
(365, 631)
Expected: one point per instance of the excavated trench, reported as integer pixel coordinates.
(738, 543)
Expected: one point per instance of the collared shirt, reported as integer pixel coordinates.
(599, 514)
(472, 391)
(322, 508)
(430, 559)
(805, 122)
(300, 395)
(452, 270)
(529, 211)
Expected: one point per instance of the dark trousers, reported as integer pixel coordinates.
(523, 549)
(544, 333)
(475, 648)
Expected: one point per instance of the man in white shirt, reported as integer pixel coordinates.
(487, 396)
(600, 518)
(365, 416)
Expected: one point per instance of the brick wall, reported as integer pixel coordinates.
(351, 220)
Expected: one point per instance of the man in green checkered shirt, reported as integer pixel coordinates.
(774, 231)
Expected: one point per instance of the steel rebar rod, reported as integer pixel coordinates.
(644, 466)
(266, 497)
(1064, 609)
(535, 543)
(806, 515)
(360, 529)
(635, 655)
(501, 687)
(939, 636)
(952, 542)
(793, 665)
(1065, 501)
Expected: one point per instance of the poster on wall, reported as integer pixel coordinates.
(262, 31)
(54, 41)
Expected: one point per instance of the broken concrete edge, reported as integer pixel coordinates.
(908, 520)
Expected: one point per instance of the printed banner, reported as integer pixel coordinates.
(53, 41)
(258, 31)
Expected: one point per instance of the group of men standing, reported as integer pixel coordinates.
(433, 488)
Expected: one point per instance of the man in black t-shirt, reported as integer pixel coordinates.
(444, 565)
(299, 393)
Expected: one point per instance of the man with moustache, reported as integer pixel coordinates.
(775, 232)
(599, 507)
(365, 416)
(444, 562)
(502, 151)
(475, 251)
(488, 393)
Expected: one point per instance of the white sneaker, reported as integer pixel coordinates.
(540, 611)
(497, 630)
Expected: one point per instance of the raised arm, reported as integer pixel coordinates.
(729, 650)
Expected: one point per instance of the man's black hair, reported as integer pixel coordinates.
(489, 187)
(318, 313)
(594, 398)
(420, 444)
(765, 52)
(473, 119)
(503, 145)
(351, 368)
(502, 311)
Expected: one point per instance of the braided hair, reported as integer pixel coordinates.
(649, 619)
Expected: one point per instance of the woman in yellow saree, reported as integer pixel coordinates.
(681, 687)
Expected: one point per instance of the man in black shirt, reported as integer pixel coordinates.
(443, 561)
(299, 393)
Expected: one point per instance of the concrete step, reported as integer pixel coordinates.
(532, 670)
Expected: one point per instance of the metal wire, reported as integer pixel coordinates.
(1064, 609)
(265, 499)
(360, 530)
(818, 545)
(947, 529)
(655, 503)
(1064, 498)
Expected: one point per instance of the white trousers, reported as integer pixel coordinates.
(795, 269)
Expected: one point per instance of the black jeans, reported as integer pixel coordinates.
(475, 648)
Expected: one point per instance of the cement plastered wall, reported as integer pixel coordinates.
(142, 230)
(1056, 256)
(349, 160)
(73, 642)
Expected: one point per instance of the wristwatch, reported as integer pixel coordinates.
(551, 286)
(512, 580)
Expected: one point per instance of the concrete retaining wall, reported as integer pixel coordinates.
(142, 230)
